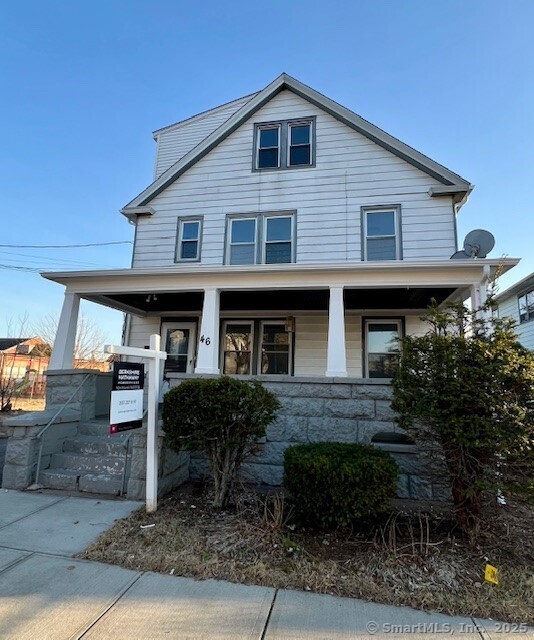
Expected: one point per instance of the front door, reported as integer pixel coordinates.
(179, 341)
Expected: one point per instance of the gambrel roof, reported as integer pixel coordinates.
(450, 183)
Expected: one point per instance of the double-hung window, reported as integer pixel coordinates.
(526, 307)
(243, 241)
(275, 349)
(278, 234)
(188, 245)
(285, 144)
(299, 140)
(381, 236)
(265, 238)
(382, 347)
(268, 146)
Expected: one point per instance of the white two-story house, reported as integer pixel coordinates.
(285, 237)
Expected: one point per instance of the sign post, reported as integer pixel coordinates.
(154, 357)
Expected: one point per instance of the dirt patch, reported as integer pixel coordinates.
(414, 559)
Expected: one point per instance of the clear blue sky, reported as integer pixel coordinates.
(83, 84)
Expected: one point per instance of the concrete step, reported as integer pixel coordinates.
(84, 463)
(107, 483)
(94, 428)
(101, 445)
(70, 480)
(59, 479)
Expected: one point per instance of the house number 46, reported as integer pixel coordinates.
(206, 340)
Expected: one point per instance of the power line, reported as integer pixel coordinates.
(64, 246)
(28, 258)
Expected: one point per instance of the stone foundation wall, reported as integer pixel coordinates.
(173, 468)
(328, 409)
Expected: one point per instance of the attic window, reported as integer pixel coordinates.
(287, 144)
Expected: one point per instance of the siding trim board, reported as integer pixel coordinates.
(440, 173)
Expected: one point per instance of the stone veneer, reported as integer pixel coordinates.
(327, 409)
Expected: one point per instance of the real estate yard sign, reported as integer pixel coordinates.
(126, 410)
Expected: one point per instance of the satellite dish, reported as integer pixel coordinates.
(477, 244)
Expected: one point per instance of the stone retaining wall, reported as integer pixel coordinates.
(23, 446)
(328, 409)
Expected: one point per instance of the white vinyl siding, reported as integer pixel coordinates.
(525, 331)
(174, 142)
(351, 172)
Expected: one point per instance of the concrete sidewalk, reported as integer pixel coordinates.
(46, 595)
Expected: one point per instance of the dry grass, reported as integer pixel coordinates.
(25, 404)
(411, 559)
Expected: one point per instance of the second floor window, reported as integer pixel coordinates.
(380, 228)
(526, 307)
(188, 245)
(265, 238)
(268, 147)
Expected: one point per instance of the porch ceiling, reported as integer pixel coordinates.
(278, 300)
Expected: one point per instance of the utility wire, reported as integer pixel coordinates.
(63, 246)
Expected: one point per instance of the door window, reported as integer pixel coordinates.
(179, 342)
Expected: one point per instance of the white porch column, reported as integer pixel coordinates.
(336, 357)
(208, 342)
(63, 351)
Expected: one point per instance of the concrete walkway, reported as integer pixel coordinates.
(47, 595)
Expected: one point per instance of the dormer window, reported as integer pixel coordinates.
(287, 144)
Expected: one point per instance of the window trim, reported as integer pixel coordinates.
(530, 317)
(260, 349)
(366, 320)
(396, 209)
(179, 239)
(283, 156)
(261, 234)
(222, 350)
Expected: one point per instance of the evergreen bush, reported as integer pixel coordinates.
(335, 484)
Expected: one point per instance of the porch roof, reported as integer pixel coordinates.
(127, 289)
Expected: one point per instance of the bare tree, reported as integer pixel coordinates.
(90, 338)
(10, 384)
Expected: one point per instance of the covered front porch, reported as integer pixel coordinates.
(335, 321)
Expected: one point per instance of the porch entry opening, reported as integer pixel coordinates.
(382, 347)
(179, 340)
(263, 348)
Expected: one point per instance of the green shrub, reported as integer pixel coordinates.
(334, 484)
(221, 416)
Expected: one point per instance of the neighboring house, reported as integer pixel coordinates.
(285, 237)
(517, 302)
(23, 362)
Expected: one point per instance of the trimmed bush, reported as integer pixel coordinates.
(223, 417)
(335, 484)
